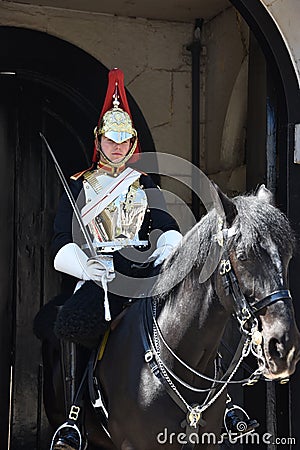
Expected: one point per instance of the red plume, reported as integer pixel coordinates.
(115, 77)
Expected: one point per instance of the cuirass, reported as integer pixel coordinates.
(119, 223)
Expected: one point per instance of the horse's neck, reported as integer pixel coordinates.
(193, 321)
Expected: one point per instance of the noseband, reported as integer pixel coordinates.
(280, 294)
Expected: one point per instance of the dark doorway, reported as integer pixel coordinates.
(51, 86)
(275, 102)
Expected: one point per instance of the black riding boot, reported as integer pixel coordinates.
(68, 363)
(68, 436)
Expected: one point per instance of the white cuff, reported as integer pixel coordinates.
(72, 260)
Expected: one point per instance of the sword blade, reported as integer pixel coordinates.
(70, 197)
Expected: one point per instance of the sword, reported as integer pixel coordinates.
(107, 260)
(71, 198)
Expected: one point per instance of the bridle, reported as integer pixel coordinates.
(245, 311)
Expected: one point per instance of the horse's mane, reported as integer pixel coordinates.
(256, 221)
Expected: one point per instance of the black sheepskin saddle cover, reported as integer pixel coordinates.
(81, 317)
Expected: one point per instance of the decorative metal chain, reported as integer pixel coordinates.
(161, 367)
(245, 353)
(198, 374)
(206, 404)
(188, 386)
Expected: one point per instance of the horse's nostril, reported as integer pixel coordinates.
(276, 349)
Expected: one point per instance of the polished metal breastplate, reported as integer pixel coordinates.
(118, 225)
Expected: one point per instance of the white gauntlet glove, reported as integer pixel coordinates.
(165, 245)
(72, 260)
(101, 265)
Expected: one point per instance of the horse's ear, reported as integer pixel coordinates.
(228, 206)
(265, 195)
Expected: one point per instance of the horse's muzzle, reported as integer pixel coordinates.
(280, 359)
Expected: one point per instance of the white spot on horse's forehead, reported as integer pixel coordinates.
(270, 246)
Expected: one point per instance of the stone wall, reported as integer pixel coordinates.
(224, 93)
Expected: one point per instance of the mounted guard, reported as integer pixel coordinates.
(116, 208)
(117, 212)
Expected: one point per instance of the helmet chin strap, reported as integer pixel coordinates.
(106, 160)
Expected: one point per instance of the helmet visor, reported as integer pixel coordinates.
(118, 136)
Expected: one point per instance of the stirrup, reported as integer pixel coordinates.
(236, 426)
(82, 443)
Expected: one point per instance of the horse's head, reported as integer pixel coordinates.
(259, 250)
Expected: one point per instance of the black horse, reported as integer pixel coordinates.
(151, 401)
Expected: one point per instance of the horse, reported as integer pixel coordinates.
(159, 373)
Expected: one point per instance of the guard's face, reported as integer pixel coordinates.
(114, 151)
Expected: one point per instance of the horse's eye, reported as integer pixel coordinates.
(241, 256)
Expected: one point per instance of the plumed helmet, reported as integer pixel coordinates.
(115, 121)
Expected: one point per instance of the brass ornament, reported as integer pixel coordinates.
(257, 337)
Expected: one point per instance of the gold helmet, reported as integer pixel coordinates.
(117, 125)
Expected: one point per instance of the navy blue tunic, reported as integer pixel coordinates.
(82, 319)
(156, 218)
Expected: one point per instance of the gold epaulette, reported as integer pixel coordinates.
(77, 175)
(90, 177)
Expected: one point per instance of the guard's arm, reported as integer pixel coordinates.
(72, 260)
